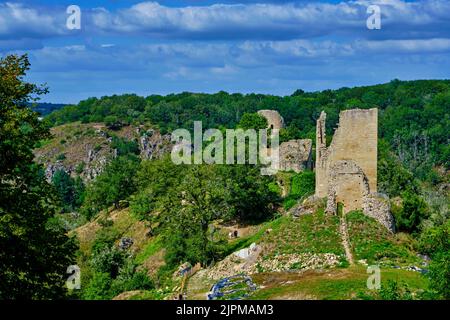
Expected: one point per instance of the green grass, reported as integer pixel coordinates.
(371, 241)
(315, 233)
(245, 242)
(149, 250)
(338, 284)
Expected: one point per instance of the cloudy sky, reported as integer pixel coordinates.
(275, 46)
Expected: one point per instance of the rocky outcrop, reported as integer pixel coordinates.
(84, 150)
(52, 168)
(153, 145)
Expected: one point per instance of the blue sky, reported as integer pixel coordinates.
(146, 47)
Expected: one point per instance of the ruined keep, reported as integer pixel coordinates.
(274, 119)
(346, 170)
(295, 155)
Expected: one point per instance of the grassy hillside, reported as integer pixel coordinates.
(318, 234)
(337, 284)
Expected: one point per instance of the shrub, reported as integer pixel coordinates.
(413, 211)
(302, 184)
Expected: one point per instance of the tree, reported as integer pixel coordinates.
(69, 190)
(413, 211)
(252, 121)
(34, 250)
(115, 183)
(188, 209)
(435, 242)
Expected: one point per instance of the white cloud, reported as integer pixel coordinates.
(18, 22)
(277, 21)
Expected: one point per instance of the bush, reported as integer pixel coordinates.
(413, 211)
(99, 287)
(115, 183)
(439, 274)
(124, 146)
(395, 291)
(302, 184)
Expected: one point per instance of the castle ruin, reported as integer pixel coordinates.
(295, 155)
(346, 170)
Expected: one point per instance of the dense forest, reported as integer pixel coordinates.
(413, 115)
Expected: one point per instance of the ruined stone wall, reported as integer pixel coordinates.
(377, 206)
(321, 158)
(295, 155)
(348, 185)
(355, 139)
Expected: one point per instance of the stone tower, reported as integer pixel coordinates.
(295, 155)
(274, 119)
(346, 171)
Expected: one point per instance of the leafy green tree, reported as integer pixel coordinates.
(303, 184)
(124, 147)
(412, 212)
(69, 190)
(439, 274)
(392, 290)
(393, 177)
(34, 250)
(99, 288)
(188, 209)
(115, 183)
(436, 243)
(250, 197)
(252, 121)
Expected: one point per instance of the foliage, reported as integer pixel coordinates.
(114, 270)
(436, 243)
(124, 146)
(412, 212)
(393, 290)
(115, 183)
(393, 177)
(30, 236)
(185, 201)
(252, 121)
(439, 274)
(70, 191)
(301, 185)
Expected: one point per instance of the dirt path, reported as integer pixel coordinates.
(344, 234)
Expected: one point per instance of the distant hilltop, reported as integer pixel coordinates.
(46, 108)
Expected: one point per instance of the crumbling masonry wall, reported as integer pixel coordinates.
(295, 155)
(355, 139)
(346, 171)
